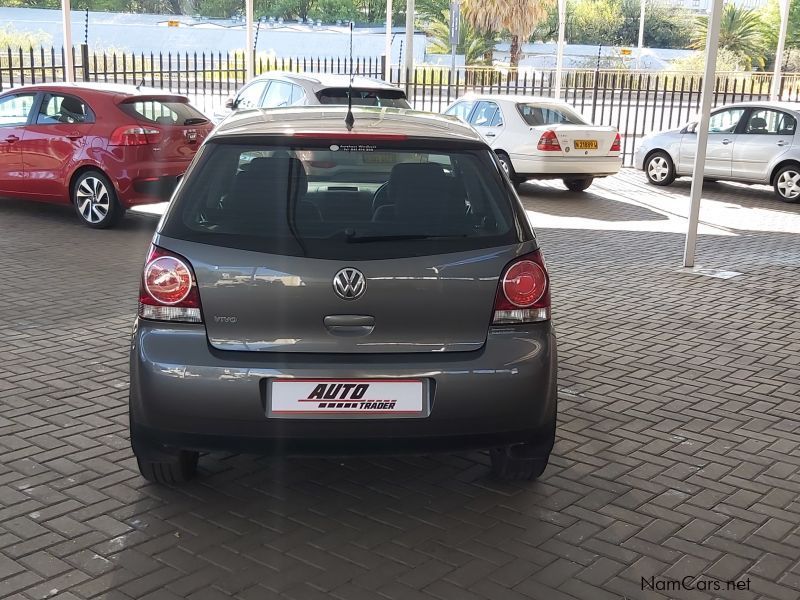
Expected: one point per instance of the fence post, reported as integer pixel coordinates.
(383, 67)
(85, 61)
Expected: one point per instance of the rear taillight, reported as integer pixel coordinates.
(134, 135)
(616, 146)
(549, 142)
(168, 290)
(523, 294)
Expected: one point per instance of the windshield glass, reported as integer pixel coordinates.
(335, 201)
(549, 114)
(364, 97)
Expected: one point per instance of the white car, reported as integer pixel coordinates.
(541, 138)
(752, 142)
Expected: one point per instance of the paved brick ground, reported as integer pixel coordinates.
(679, 447)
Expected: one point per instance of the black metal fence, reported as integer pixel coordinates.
(636, 103)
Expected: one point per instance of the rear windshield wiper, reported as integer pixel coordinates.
(195, 121)
(354, 239)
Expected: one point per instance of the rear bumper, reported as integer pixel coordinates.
(558, 167)
(183, 393)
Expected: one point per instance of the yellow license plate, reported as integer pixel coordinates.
(380, 158)
(585, 144)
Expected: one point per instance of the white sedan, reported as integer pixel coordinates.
(541, 138)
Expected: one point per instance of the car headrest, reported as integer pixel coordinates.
(72, 106)
(758, 123)
(267, 183)
(422, 190)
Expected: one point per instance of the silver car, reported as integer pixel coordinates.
(280, 313)
(751, 142)
(278, 89)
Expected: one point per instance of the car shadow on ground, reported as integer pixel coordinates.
(65, 213)
(742, 195)
(589, 204)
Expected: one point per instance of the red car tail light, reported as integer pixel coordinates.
(549, 142)
(168, 291)
(616, 146)
(523, 294)
(134, 135)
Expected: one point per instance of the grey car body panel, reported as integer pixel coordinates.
(268, 302)
(180, 383)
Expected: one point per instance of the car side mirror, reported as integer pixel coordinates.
(230, 103)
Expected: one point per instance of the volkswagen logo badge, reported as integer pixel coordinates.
(349, 283)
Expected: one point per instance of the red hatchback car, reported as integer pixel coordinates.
(103, 148)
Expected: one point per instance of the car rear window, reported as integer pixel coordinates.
(163, 111)
(545, 114)
(362, 201)
(364, 97)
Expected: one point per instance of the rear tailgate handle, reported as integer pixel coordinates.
(349, 325)
(74, 135)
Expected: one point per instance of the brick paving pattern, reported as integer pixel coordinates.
(678, 450)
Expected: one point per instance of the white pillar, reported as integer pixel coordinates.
(388, 49)
(249, 50)
(702, 131)
(562, 26)
(66, 22)
(776, 75)
(641, 35)
(409, 45)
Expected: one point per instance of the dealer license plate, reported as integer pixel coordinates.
(347, 398)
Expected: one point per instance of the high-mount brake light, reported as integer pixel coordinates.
(548, 142)
(523, 293)
(168, 291)
(349, 136)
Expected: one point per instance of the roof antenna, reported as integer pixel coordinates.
(349, 120)
(141, 83)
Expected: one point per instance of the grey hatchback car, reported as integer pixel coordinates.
(404, 308)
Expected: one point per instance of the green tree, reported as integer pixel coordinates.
(595, 22)
(11, 38)
(741, 32)
(727, 62)
(519, 18)
(474, 45)
(771, 23)
(665, 26)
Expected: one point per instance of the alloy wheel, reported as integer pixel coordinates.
(658, 169)
(789, 184)
(92, 199)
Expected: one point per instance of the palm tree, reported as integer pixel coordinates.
(518, 17)
(474, 45)
(740, 32)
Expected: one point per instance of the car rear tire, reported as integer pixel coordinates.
(659, 168)
(95, 200)
(511, 463)
(505, 162)
(581, 184)
(161, 465)
(787, 184)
